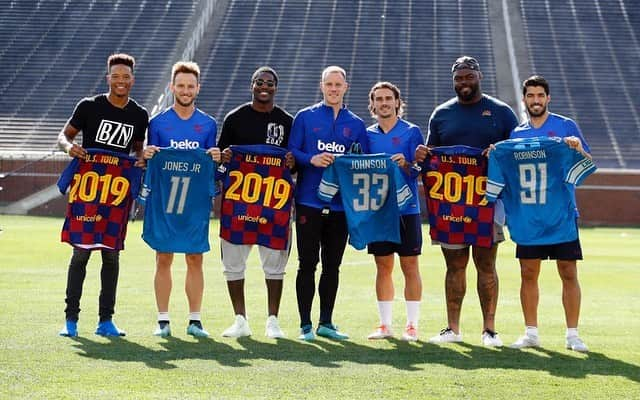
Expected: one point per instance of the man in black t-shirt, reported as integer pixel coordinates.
(260, 121)
(114, 122)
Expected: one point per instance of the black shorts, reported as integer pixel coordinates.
(561, 251)
(410, 239)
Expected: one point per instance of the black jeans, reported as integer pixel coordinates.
(325, 238)
(108, 278)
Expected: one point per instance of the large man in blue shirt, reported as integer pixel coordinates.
(478, 120)
(536, 98)
(319, 133)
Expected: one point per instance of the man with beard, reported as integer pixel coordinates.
(115, 122)
(394, 135)
(536, 98)
(259, 121)
(477, 120)
(182, 126)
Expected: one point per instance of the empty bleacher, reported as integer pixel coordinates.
(589, 52)
(53, 53)
(411, 43)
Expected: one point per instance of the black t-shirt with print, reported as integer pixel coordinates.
(105, 126)
(244, 125)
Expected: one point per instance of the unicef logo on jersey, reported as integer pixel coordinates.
(184, 144)
(331, 147)
(275, 134)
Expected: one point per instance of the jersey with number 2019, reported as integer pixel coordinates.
(535, 178)
(102, 188)
(454, 180)
(178, 191)
(373, 193)
(257, 192)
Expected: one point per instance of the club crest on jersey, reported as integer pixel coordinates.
(114, 133)
(486, 113)
(275, 134)
(346, 131)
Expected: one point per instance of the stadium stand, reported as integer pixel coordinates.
(589, 51)
(53, 53)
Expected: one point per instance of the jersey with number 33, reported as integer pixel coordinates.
(373, 193)
(535, 178)
(177, 192)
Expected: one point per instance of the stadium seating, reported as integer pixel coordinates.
(53, 53)
(589, 51)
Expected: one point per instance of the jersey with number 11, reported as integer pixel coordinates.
(178, 191)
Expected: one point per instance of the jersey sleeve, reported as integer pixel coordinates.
(495, 179)
(578, 167)
(329, 183)
(574, 130)
(510, 121)
(433, 136)
(403, 192)
(67, 175)
(154, 134)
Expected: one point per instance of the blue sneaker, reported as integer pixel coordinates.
(306, 333)
(197, 331)
(164, 331)
(108, 328)
(331, 331)
(70, 329)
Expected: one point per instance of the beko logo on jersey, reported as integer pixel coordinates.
(114, 133)
(184, 144)
(331, 147)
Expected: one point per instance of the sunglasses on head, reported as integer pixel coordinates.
(261, 82)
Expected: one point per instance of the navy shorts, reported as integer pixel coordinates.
(561, 251)
(410, 239)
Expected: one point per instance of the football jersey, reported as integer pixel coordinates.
(102, 187)
(257, 193)
(373, 193)
(167, 129)
(455, 179)
(178, 191)
(535, 178)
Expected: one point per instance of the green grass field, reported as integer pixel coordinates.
(36, 363)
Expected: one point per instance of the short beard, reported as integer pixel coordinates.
(184, 104)
(470, 96)
(535, 115)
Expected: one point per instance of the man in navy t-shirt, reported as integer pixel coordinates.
(477, 120)
(535, 95)
(182, 126)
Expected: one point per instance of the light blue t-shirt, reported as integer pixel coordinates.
(555, 126)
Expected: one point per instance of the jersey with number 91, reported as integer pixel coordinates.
(535, 177)
(257, 193)
(373, 193)
(177, 192)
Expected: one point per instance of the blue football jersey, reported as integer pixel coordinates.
(373, 193)
(536, 177)
(178, 191)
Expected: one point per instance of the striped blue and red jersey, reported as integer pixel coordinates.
(102, 187)
(455, 180)
(257, 194)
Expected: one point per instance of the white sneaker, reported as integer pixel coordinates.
(576, 344)
(381, 332)
(410, 334)
(240, 328)
(273, 330)
(491, 339)
(526, 341)
(447, 335)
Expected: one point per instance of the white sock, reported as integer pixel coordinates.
(385, 309)
(194, 316)
(572, 332)
(531, 331)
(163, 316)
(413, 312)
